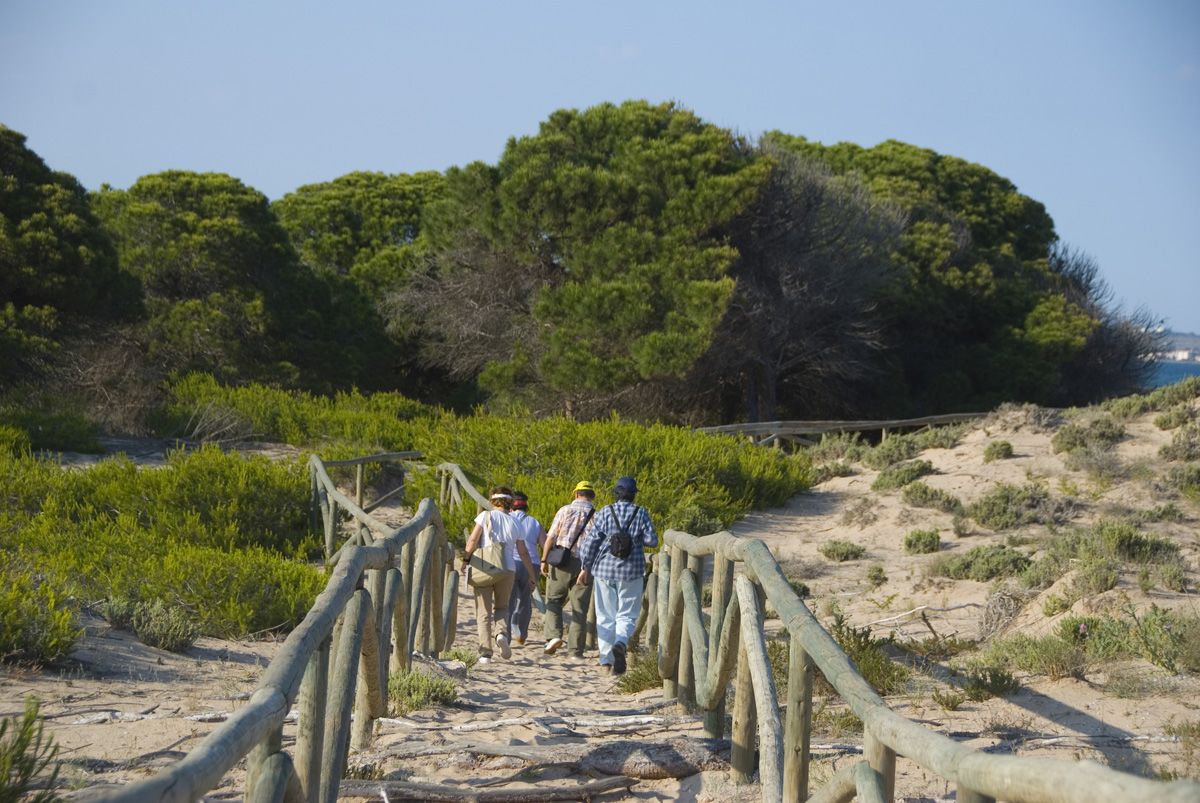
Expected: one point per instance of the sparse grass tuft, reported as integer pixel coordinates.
(862, 513)
(28, 771)
(922, 542)
(949, 700)
(827, 471)
(469, 657)
(642, 673)
(984, 682)
(1177, 416)
(841, 551)
(875, 575)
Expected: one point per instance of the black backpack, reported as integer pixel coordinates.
(620, 543)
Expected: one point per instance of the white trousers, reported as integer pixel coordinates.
(618, 604)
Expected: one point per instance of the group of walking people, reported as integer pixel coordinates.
(584, 552)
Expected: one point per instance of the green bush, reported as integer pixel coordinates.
(891, 451)
(1158, 399)
(1184, 445)
(36, 624)
(922, 542)
(918, 494)
(875, 575)
(13, 441)
(52, 430)
(1008, 506)
(1185, 479)
(1103, 431)
(1177, 416)
(216, 532)
(838, 446)
(1124, 541)
(827, 471)
(1095, 575)
(997, 450)
(841, 551)
(982, 563)
(869, 654)
(26, 754)
(413, 690)
(901, 474)
(1046, 655)
(984, 682)
(948, 700)
(165, 626)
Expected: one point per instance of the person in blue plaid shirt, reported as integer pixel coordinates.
(618, 581)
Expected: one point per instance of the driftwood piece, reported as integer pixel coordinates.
(397, 791)
(675, 758)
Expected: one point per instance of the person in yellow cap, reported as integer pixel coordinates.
(560, 564)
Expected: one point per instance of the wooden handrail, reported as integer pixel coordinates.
(382, 601)
(685, 658)
(819, 427)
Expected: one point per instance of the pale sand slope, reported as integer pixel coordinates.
(111, 674)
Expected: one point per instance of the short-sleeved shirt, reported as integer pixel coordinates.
(567, 521)
(502, 530)
(528, 530)
(602, 564)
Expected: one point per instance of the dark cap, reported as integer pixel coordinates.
(627, 485)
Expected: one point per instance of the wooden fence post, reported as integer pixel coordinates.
(965, 795)
(257, 758)
(883, 760)
(401, 646)
(685, 675)
(371, 695)
(722, 590)
(798, 725)
(358, 485)
(741, 757)
(341, 687)
(310, 731)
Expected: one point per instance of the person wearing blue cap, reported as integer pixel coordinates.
(614, 556)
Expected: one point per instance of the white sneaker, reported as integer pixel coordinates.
(502, 641)
(483, 659)
(552, 646)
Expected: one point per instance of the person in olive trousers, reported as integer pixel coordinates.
(570, 526)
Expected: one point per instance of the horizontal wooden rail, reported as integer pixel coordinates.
(384, 457)
(382, 600)
(689, 664)
(788, 428)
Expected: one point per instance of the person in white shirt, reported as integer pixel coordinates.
(495, 526)
(520, 606)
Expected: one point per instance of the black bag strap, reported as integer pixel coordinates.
(582, 527)
(625, 527)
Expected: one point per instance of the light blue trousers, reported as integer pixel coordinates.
(617, 607)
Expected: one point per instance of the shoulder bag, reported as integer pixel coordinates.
(487, 562)
(559, 555)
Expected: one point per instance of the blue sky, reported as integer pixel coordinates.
(1091, 107)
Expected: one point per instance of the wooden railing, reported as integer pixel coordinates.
(775, 433)
(390, 592)
(697, 663)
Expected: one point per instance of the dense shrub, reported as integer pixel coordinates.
(412, 690)
(1103, 431)
(215, 533)
(918, 494)
(52, 430)
(1009, 506)
(1179, 415)
(1184, 445)
(1185, 479)
(900, 474)
(841, 551)
(838, 446)
(997, 450)
(13, 441)
(1158, 399)
(982, 563)
(168, 627)
(869, 654)
(921, 542)
(1098, 552)
(36, 624)
(690, 481)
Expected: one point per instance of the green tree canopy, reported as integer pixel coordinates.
(610, 224)
(58, 268)
(977, 315)
(363, 225)
(225, 291)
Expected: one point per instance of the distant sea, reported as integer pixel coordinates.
(1168, 373)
